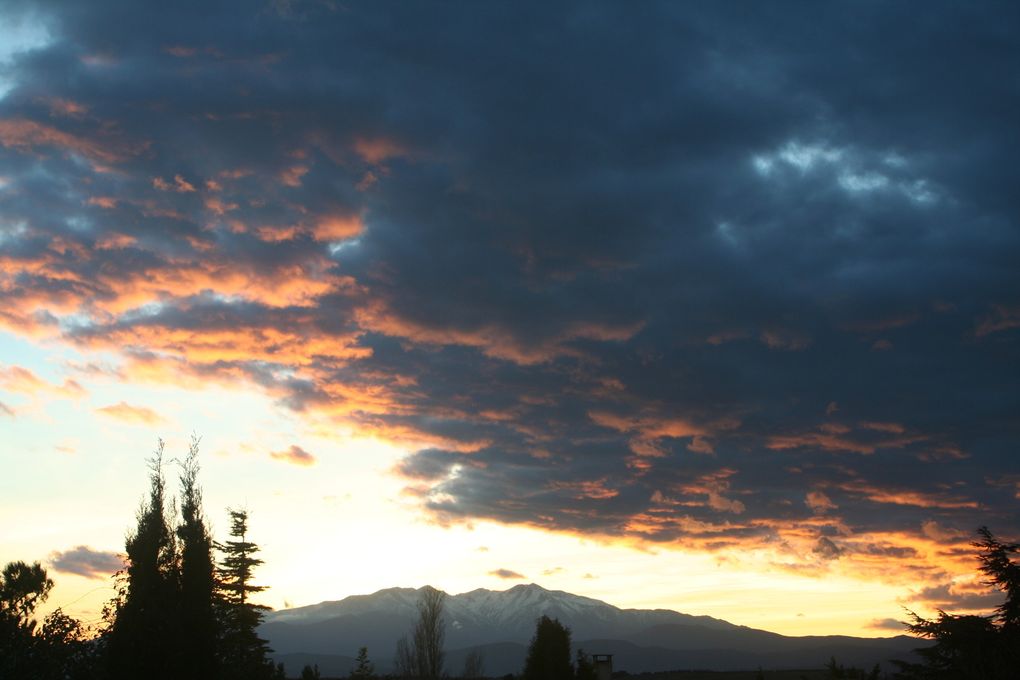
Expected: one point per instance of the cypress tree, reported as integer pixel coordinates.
(143, 640)
(549, 652)
(197, 584)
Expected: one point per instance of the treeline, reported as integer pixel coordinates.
(177, 613)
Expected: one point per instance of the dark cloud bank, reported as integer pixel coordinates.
(663, 271)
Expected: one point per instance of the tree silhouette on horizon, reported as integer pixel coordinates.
(971, 646)
(243, 654)
(144, 636)
(549, 652)
(197, 576)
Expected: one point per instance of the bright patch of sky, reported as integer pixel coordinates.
(856, 172)
(21, 33)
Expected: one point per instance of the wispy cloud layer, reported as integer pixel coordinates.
(681, 284)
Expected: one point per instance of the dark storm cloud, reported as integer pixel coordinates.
(716, 275)
(84, 561)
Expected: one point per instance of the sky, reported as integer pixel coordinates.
(710, 307)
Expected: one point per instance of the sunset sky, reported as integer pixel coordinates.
(704, 306)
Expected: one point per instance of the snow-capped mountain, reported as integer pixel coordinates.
(483, 616)
(501, 623)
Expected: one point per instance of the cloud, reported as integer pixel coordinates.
(826, 549)
(958, 596)
(131, 414)
(6, 410)
(86, 562)
(650, 317)
(507, 574)
(819, 502)
(294, 455)
(888, 625)
(22, 380)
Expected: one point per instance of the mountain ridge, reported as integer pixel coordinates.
(645, 639)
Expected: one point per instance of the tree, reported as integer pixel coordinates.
(549, 652)
(243, 654)
(363, 668)
(68, 652)
(143, 640)
(404, 661)
(23, 587)
(840, 672)
(1002, 573)
(59, 649)
(197, 577)
(310, 672)
(968, 646)
(474, 665)
(584, 669)
(429, 634)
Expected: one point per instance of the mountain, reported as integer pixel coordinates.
(501, 623)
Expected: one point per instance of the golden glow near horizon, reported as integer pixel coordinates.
(343, 525)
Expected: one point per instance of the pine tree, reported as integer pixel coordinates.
(197, 585)
(363, 668)
(22, 588)
(143, 640)
(243, 654)
(970, 646)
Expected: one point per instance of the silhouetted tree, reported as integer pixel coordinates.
(404, 662)
(474, 665)
(22, 588)
(549, 652)
(840, 672)
(584, 669)
(429, 634)
(979, 647)
(363, 668)
(143, 640)
(243, 654)
(197, 586)
(310, 672)
(59, 649)
(68, 650)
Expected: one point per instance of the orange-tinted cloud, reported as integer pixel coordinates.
(179, 185)
(295, 455)
(378, 150)
(24, 381)
(27, 135)
(337, 227)
(131, 414)
(1002, 317)
(493, 340)
(899, 496)
(596, 489)
(819, 502)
